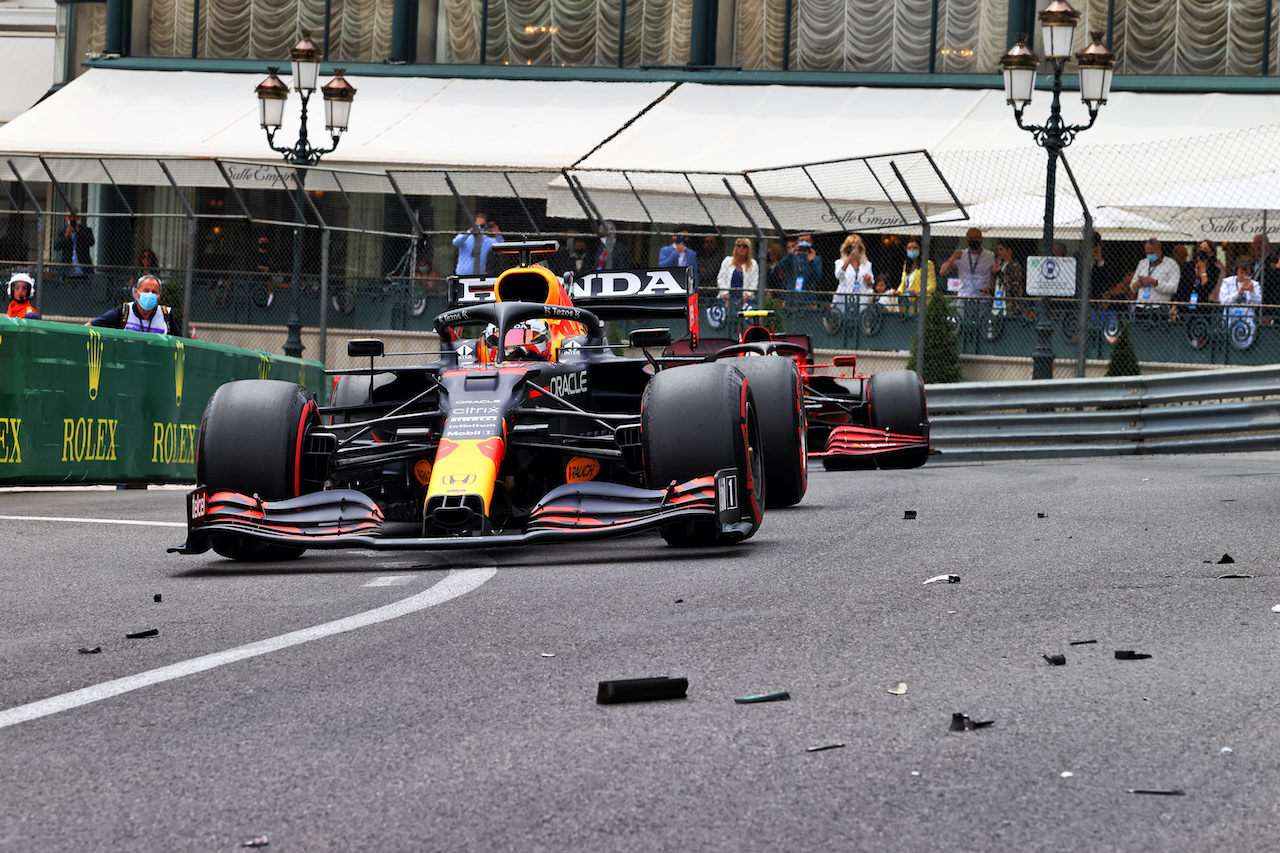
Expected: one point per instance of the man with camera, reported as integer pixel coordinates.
(74, 244)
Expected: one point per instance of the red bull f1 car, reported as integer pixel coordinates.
(526, 427)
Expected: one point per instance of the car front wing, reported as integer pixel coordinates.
(345, 518)
(852, 440)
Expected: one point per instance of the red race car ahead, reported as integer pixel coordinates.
(854, 421)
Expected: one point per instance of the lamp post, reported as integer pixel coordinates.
(272, 94)
(1058, 28)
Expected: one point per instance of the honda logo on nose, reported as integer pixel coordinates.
(452, 480)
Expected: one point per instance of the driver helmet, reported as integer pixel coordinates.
(529, 340)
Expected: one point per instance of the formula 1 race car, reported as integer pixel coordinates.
(532, 430)
(858, 422)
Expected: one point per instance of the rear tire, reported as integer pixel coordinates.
(250, 442)
(694, 421)
(779, 397)
(897, 403)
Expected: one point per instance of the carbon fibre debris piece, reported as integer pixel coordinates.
(1083, 643)
(1159, 792)
(776, 696)
(908, 515)
(641, 690)
(85, 650)
(157, 598)
(139, 635)
(1041, 515)
(824, 747)
(962, 723)
(1056, 660)
(1226, 558)
(1233, 577)
(941, 578)
(1130, 654)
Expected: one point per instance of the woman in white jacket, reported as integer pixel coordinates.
(853, 274)
(739, 271)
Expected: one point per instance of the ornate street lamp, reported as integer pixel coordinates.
(272, 94)
(1058, 28)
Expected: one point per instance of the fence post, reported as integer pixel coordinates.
(324, 295)
(190, 275)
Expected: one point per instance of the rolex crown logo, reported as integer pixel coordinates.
(179, 360)
(95, 362)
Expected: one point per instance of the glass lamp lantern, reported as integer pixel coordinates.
(305, 58)
(338, 95)
(272, 93)
(1019, 64)
(1058, 29)
(1096, 64)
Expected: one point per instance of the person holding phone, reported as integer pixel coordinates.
(74, 244)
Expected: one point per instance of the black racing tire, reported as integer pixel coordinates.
(897, 403)
(694, 421)
(779, 396)
(251, 438)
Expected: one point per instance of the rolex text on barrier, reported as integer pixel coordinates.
(92, 405)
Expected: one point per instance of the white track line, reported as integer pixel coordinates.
(456, 583)
(93, 520)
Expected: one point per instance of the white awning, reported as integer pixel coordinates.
(414, 122)
(1203, 150)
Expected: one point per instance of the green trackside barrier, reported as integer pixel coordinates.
(90, 405)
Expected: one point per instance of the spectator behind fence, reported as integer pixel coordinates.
(739, 271)
(21, 288)
(910, 281)
(465, 243)
(1008, 275)
(885, 296)
(143, 314)
(613, 254)
(1105, 280)
(147, 263)
(972, 266)
(708, 266)
(801, 269)
(1237, 293)
(853, 275)
(1204, 276)
(74, 245)
(680, 254)
(775, 253)
(1156, 277)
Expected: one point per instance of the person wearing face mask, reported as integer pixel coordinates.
(973, 266)
(910, 282)
(143, 314)
(1156, 276)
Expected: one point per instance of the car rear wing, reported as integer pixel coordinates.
(609, 294)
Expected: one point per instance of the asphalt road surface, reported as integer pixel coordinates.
(446, 702)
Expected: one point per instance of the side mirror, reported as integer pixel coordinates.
(364, 348)
(845, 361)
(647, 338)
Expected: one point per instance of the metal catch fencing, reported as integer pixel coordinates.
(372, 249)
(1216, 411)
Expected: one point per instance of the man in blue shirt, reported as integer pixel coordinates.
(466, 246)
(802, 269)
(678, 254)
